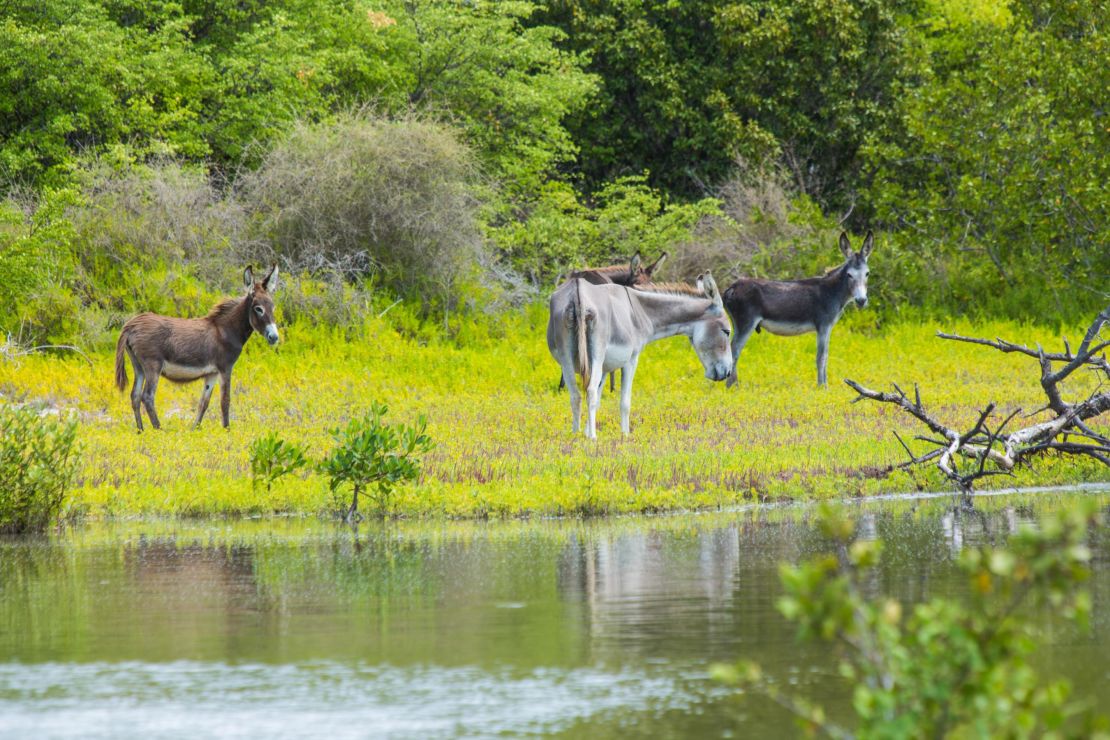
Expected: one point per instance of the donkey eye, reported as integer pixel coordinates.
(259, 310)
(726, 331)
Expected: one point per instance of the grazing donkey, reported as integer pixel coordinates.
(790, 307)
(184, 350)
(594, 329)
(632, 274)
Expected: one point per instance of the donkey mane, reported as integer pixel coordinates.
(607, 270)
(671, 289)
(223, 308)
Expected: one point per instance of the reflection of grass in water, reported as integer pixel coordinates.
(502, 433)
(404, 535)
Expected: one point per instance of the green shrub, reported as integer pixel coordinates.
(560, 233)
(373, 457)
(37, 267)
(273, 458)
(38, 461)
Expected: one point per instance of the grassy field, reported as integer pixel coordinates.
(502, 432)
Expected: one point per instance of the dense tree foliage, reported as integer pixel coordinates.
(689, 86)
(998, 181)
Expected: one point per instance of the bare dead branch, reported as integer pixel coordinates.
(981, 444)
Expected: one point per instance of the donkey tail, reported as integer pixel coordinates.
(121, 367)
(582, 356)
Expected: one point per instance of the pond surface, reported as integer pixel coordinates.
(292, 628)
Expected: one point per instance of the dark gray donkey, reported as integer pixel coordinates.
(631, 275)
(791, 307)
(184, 350)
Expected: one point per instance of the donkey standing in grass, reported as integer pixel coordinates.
(595, 329)
(632, 274)
(791, 307)
(184, 350)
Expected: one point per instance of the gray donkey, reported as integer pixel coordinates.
(791, 307)
(595, 329)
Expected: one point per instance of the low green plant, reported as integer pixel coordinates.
(38, 461)
(273, 458)
(951, 667)
(373, 457)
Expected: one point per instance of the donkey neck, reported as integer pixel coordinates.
(671, 314)
(837, 286)
(234, 323)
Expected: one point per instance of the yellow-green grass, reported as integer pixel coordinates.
(504, 446)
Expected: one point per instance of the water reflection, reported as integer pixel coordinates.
(600, 626)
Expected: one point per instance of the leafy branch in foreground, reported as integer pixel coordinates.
(951, 667)
(1067, 432)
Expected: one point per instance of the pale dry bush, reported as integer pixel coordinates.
(762, 227)
(366, 197)
(162, 214)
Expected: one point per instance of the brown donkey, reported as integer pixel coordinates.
(184, 350)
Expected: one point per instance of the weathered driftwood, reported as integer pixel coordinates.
(1066, 433)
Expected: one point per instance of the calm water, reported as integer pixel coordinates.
(305, 629)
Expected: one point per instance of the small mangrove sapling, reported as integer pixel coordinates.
(273, 458)
(373, 457)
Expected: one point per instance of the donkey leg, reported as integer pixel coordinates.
(137, 393)
(151, 372)
(740, 335)
(612, 380)
(225, 398)
(823, 334)
(593, 398)
(627, 373)
(568, 381)
(205, 397)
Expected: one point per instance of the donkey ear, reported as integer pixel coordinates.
(699, 283)
(845, 246)
(248, 277)
(656, 264)
(711, 292)
(868, 244)
(270, 281)
(634, 265)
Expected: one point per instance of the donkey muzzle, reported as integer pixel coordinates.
(718, 372)
(861, 302)
(271, 334)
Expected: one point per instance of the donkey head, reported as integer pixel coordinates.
(261, 303)
(856, 267)
(640, 275)
(711, 333)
